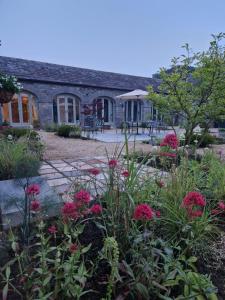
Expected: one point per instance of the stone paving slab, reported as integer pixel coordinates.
(57, 182)
(48, 170)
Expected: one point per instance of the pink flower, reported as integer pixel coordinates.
(168, 154)
(35, 205)
(33, 189)
(96, 209)
(143, 212)
(157, 213)
(83, 196)
(94, 171)
(160, 183)
(221, 205)
(193, 199)
(73, 248)
(69, 210)
(170, 140)
(52, 229)
(126, 173)
(113, 163)
(195, 213)
(215, 211)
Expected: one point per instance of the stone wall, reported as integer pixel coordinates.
(46, 92)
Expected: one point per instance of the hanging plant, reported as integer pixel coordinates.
(8, 87)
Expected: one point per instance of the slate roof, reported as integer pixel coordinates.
(45, 72)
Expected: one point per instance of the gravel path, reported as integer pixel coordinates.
(58, 147)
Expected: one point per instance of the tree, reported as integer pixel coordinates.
(194, 87)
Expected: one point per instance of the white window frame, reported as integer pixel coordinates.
(20, 109)
(75, 100)
(110, 109)
(139, 111)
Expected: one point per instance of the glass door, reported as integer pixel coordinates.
(68, 110)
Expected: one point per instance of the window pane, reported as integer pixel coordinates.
(99, 108)
(55, 111)
(70, 110)
(62, 110)
(5, 110)
(106, 110)
(77, 110)
(129, 103)
(25, 109)
(135, 111)
(15, 111)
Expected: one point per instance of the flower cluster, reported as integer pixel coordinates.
(168, 154)
(82, 197)
(143, 212)
(220, 208)
(170, 140)
(126, 173)
(94, 171)
(112, 163)
(193, 202)
(96, 209)
(33, 189)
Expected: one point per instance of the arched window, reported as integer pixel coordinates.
(103, 109)
(133, 112)
(21, 110)
(66, 109)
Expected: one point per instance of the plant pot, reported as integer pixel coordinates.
(5, 96)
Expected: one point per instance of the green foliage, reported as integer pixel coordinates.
(19, 132)
(202, 140)
(193, 89)
(69, 131)
(9, 83)
(51, 127)
(16, 160)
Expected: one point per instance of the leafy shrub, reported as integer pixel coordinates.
(66, 130)
(206, 140)
(51, 127)
(16, 160)
(19, 132)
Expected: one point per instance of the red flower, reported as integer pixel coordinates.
(94, 171)
(113, 163)
(170, 140)
(69, 210)
(195, 213)
(83, 196)
(126, 173)
(96, 209)
(221, 205)
(143, 212)
(73, 248)
(157, 213)
(168, 154)
(215, 211)
(35, 205)
(52, 229)
(33, 189)
(192, 199)
(160, 183)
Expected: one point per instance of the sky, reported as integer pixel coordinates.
(125, 36)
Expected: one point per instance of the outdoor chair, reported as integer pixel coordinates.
(125, 126)
(99, 123)
(89, 125)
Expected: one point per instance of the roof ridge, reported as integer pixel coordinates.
(69, 66)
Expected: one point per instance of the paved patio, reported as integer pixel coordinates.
(61, 174)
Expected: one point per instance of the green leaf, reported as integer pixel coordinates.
(5, 292)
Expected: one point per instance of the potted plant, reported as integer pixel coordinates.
(8, 87)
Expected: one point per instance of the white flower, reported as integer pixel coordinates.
(9, 137)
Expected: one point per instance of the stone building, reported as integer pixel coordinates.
(57, 93)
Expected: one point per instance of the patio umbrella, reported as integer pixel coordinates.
(136, 94)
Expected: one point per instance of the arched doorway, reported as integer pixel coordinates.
(133, 111)
(21, 110)
(103, 109)
(66, 109)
